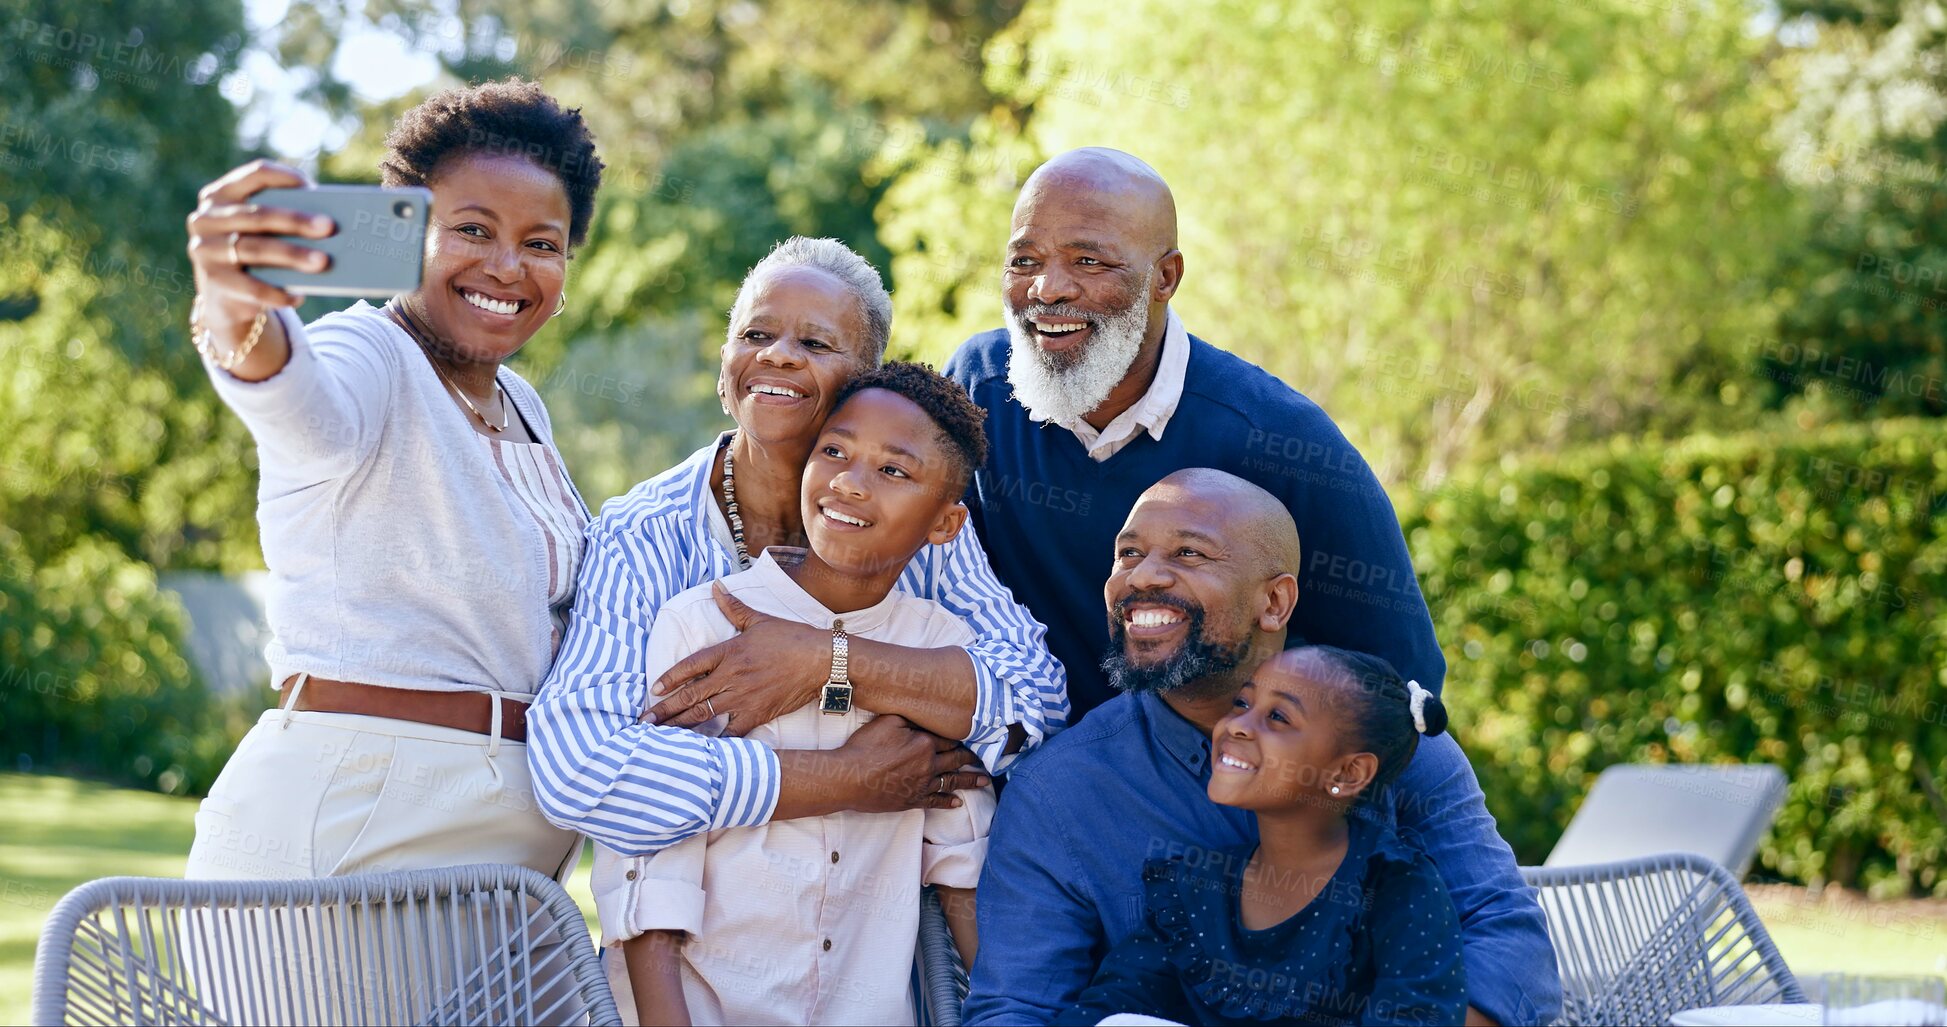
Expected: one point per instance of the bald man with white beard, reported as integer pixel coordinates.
(1094, 392)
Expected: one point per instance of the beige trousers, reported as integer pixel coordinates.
(325, 794)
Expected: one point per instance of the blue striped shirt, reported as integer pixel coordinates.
(638, 787)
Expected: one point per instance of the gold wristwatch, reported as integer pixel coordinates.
(837, 695)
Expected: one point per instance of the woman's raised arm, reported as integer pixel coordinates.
(314, 405)
(234, 309)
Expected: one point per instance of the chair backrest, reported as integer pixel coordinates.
(939, 978)
(1640, 940)
(470, 944)
(1719, 811)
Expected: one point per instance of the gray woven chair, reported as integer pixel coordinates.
(456, 945)
(1721, 811)
(939, 978)
(1640, 940)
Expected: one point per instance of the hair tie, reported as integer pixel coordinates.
(1416, 698)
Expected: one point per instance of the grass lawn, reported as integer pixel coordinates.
(57, 832)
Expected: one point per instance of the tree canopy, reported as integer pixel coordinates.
(1466, 229)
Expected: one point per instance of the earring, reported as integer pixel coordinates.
(561, 306)
(1335, 789)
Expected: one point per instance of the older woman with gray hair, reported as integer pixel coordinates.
(809, 317)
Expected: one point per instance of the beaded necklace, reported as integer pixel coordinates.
(730, 501)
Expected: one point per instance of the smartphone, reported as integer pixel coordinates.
(379, 248)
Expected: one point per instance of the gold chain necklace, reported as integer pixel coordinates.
(504, 421)
(400, 317)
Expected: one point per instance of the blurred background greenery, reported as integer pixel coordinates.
(1636, 306)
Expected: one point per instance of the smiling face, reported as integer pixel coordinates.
(1282, 743)
(1185, 594)
(1078, 299)
(1076, 259)
(496, 254)
(880, 484)
(1090, 269)
(794, 342)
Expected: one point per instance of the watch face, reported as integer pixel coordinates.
(836, 699)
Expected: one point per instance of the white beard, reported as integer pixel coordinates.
(1063, 387)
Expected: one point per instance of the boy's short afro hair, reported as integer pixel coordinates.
(961, 422)
(513, 117)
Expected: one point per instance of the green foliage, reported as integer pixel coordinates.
(1865, 326)
(112, 107)
(617, 418)
(1481, 226)
(1767, 598)
(115, 119)
(92, 673)
(721, 200)
(118, 457)
(91, 670)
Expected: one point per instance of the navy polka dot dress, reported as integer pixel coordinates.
(1380, 944)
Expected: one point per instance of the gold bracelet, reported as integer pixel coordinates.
(205, 344)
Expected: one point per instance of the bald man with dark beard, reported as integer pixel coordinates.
(1094, 392)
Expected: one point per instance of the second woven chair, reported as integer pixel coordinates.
(1640, 940)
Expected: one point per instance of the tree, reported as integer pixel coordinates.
(1464, 229)
(118, 460)
(1865, 327)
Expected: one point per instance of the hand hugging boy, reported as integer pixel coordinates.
(815, 920)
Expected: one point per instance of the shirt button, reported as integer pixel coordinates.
(834, 855)
(828, 944)
(629, 876)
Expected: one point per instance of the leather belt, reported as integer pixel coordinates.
(465, 711)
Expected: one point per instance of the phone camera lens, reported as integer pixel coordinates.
(402, 209)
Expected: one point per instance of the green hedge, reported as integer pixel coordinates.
(1778, 598)
(92, 676)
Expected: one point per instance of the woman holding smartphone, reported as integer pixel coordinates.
(421, 532)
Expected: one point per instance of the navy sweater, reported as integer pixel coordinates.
(1048, 515)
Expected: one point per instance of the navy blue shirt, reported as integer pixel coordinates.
(1049, 514)
(1378, 944)
(1081, 816)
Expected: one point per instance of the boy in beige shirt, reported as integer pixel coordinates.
(815, 920)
